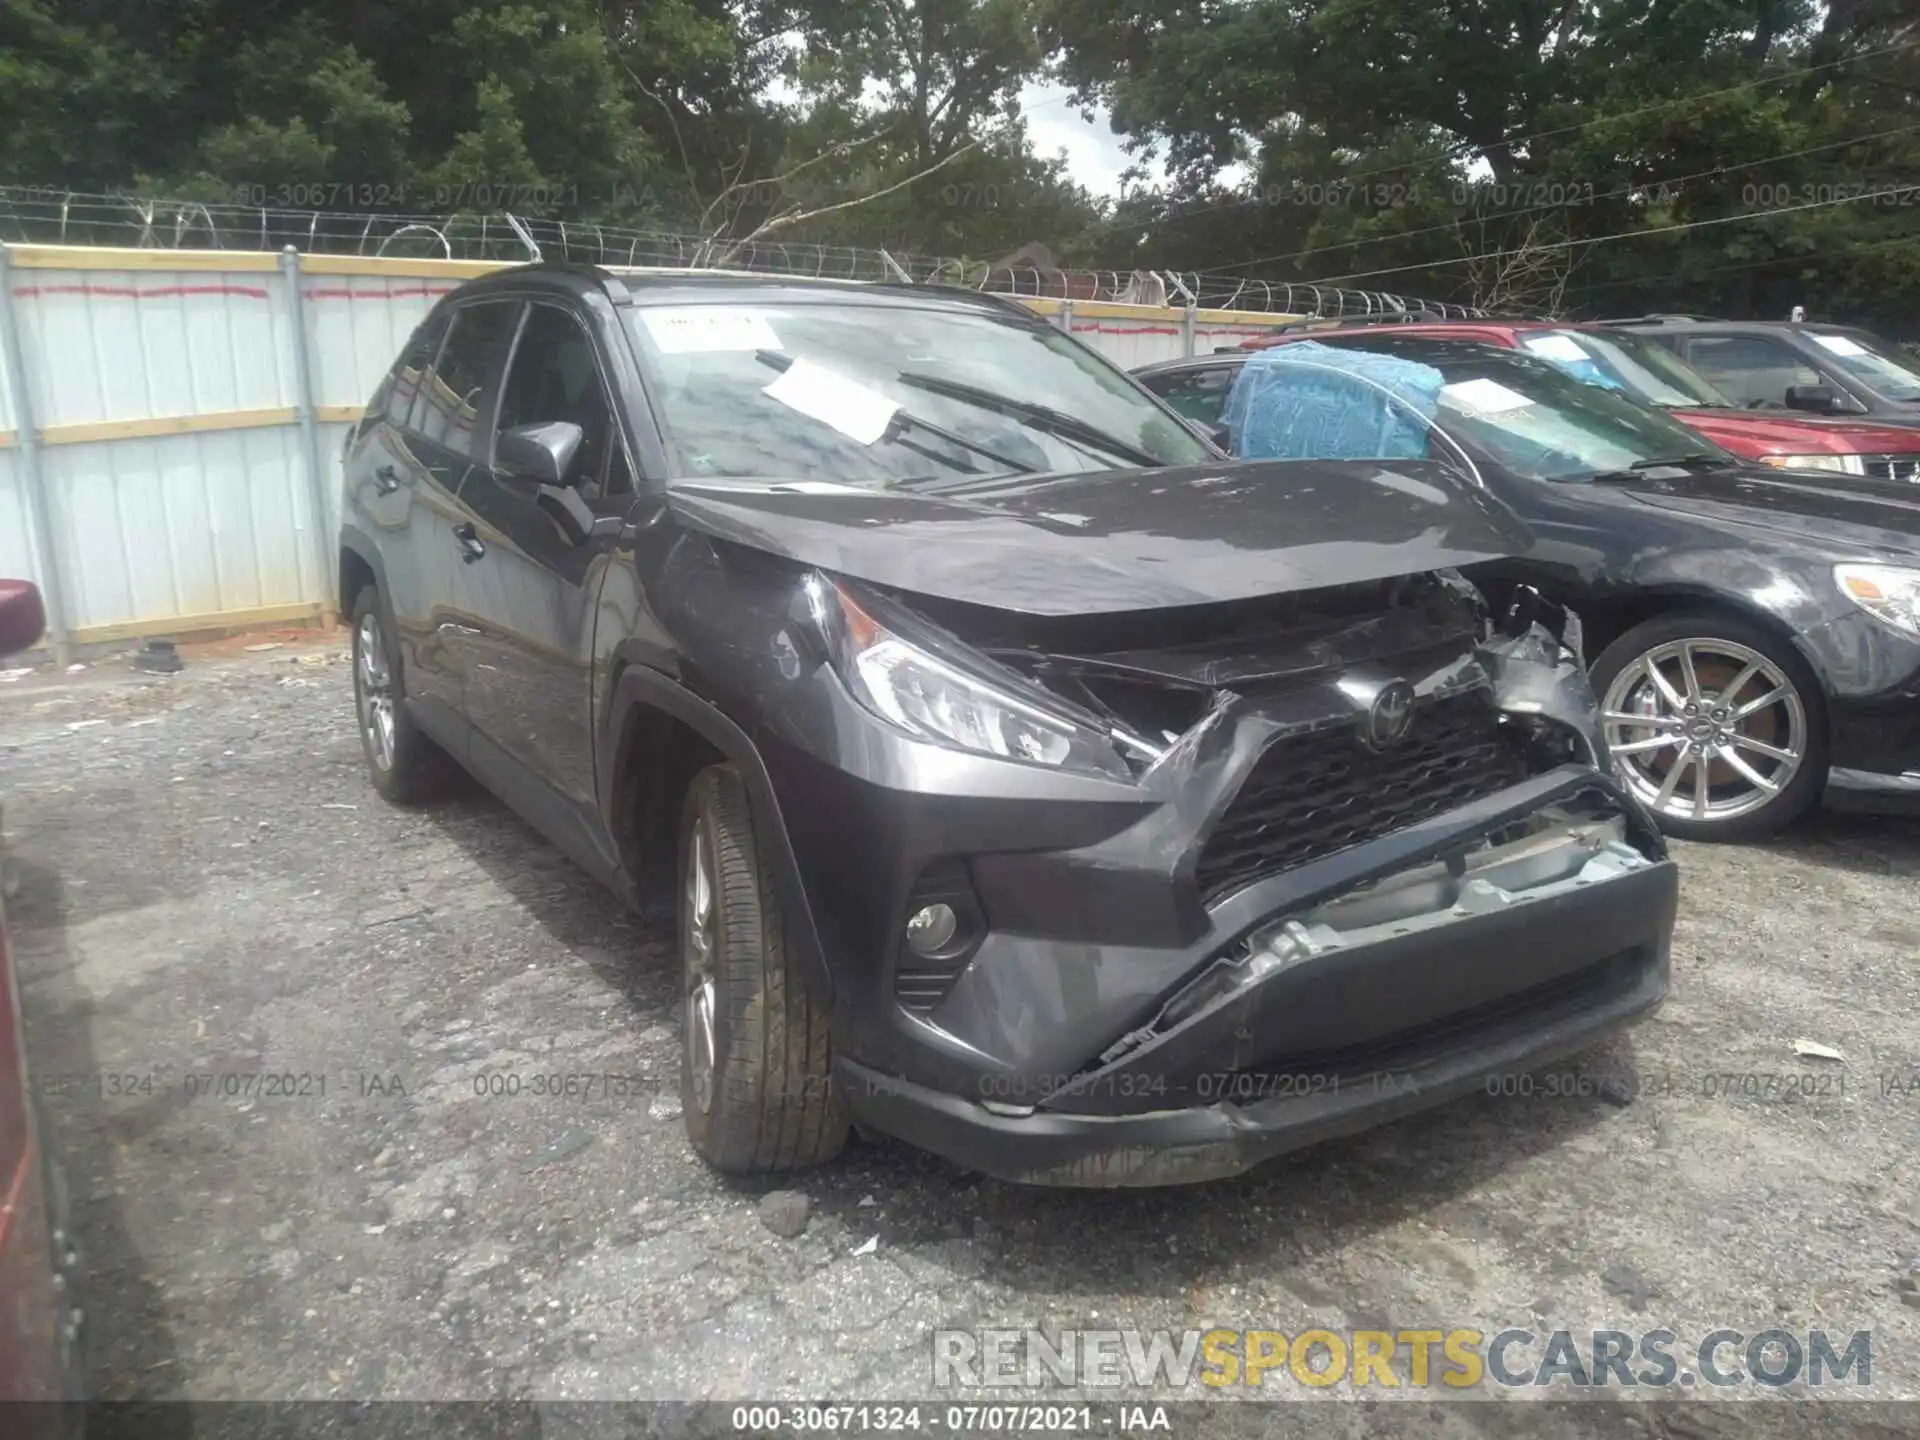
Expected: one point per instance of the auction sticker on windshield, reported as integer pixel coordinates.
(697, 329)
(1555, 347)
(1840, 344)
(821, 394)
(1485, 397)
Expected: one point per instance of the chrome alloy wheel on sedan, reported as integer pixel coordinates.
(1705, 729)
(699, 944)
(373, 690)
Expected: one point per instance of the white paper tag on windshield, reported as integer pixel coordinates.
(1486, 397)
(693, 329)
(1840, 344)
(848, 406)
(1556, 347)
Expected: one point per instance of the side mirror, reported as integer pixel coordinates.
(23, 618)
(541, 453)
(1819, 399)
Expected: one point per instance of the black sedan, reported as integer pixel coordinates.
(1755, 632)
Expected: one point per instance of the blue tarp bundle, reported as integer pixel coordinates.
(1321, 402)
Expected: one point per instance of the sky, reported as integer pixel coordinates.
(1095, 157)
(1094, 154)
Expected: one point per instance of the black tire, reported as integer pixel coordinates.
(770, 1104)
(1802, 789)
(417, 769)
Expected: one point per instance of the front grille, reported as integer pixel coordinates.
(1315, 794)
(1893, 467)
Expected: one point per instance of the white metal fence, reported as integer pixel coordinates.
(171, 420)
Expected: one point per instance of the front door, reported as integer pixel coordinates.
(1753, 369)
(530, 686)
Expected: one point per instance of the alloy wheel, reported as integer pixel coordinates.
(1705, 729)
(698, 928)
(373, 690)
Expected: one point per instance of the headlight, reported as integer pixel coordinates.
(1886, 592)
(944, 700)
(1843, 464)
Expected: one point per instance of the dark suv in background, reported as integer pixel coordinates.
(1028, 780)
(1819, 369)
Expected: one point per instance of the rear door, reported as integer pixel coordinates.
(530, 686)
(393, 498)
(451, 421)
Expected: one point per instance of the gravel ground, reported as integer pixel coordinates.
(206, 887)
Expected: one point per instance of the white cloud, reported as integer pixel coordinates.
(1095, 157)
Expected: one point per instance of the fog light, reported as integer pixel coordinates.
(931, 929)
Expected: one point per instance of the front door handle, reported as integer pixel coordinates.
(472, 547)
(386, 479)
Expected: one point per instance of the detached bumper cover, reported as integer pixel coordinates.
(1442, 1015)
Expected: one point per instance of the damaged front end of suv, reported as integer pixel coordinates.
(1117, 893)
(1076, 803)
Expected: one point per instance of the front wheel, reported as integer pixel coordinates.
(403, 764)
(756, 1077)
(1716, 723)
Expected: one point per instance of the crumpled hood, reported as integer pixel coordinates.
(1122, 540)
(1848, 514)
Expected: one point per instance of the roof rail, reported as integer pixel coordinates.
(1361, 322)
(1660, 318)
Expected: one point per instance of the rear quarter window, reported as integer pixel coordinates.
(394, 400)
(457, 395)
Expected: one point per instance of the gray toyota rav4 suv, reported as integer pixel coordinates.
(1025, 778)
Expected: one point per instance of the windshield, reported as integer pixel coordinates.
(884, 395)
(1525, 414)
(1874, 362)
(1643, 368)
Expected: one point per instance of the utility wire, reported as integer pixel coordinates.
(1461, 148)
(1797, 259)
(1625, 190)
(1676, 229)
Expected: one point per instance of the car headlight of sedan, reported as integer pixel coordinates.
(1887, 592)
(1840, 464)
(957, 698)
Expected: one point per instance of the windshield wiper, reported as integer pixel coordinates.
(775, 360)
(1040, 417)
(1692, 460)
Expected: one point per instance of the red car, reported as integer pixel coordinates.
(1654, 375)
(39, 1322)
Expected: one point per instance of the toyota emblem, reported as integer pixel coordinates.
(1391, 718)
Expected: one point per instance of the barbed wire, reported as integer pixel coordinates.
(38, 215)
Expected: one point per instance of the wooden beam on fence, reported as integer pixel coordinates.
(399, 267)
(90, 257)
(159, 426)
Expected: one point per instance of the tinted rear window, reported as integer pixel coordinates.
(458, 396)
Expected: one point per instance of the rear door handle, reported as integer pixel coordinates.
(386, 479)
(472, 547)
